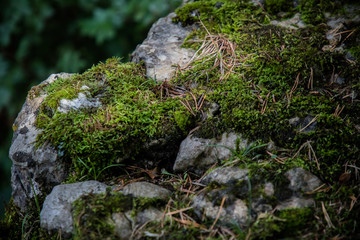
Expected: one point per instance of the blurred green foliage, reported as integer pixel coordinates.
(40, 37)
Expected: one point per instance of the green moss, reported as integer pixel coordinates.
(285, 223)
(19, 225)
(131, 114)
(280, 74)
(92, 213)
(274, 6)
(274, 59)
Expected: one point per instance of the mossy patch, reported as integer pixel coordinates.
(93, 212)
(132, 113)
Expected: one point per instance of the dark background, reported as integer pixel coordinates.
(40, 37)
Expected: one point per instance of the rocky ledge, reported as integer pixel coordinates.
(235, 120)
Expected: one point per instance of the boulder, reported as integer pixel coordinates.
(56, 211)
(34, 169)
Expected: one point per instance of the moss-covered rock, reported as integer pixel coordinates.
(296, 88)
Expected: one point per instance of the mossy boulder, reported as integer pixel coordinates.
(290, 90)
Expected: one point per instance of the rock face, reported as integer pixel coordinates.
(56, 212)
(161, 50)
(34, 169)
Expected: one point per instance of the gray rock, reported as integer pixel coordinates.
(125, 224)
(194, 152)
(295, 202)
(82, 101)
(34, 170)
(56, 211)
(150, 214)
(122, 223)
(302, 180)
(293, 23)
(198, 154)
(237, 210)
(161, 50)
(145, 189)
(226, 175)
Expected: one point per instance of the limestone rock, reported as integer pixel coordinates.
(122, 224)
(34, 170)
(82, 101)
(301, 180)
(197, 153)
(237, 210)
(56, 212)
(226, 175)
(146, 189)
(161, 50)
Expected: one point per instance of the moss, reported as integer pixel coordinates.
(19, 225)
(131, 114)
(92, 213)
(279, 74)
(274, 7)
(285, 223)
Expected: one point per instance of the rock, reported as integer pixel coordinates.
(122, 224)
(145, 189)
(301, 180)
(295, 202)
(150, 214)
(304, 125)
(125, 224)
(293, 23)
(34, 170)
(82, 101)
(193, 152)
(197, 154)
(56, 211)
(236, 210)
(226, 175)
(161, 50)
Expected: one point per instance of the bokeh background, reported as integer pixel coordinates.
(40, 37)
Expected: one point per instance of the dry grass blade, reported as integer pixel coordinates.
(311, 122)
(311, 79)
(218, 214)
(178, 211)
(326, 215)
(338, 110)
(311, 153)
(219, 49)
(353, 201)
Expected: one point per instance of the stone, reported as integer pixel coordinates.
(293, 23)
(302, 180)
(197, 154)
(34, 170)
(56, 211)
(82, 101)
(226, 175)
(237, 210)
(193, 152)
(146, 189)
(122, 223)
(295, 202)
(162, 50)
